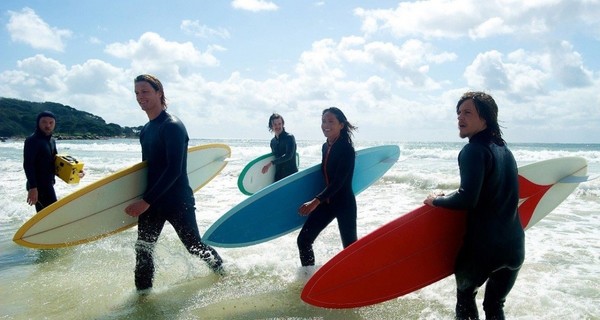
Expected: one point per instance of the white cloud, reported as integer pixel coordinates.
(521, 80)
(254, 5)
(391, 89)
(523, 74)
(203, 31)
(151, 53)
(567, 66)
(478, 19)
(409, 64)
(94, 86)
(27, 27)
(429, 19)
(491, 27)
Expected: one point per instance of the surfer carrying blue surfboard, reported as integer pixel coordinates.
(168, 196)
(337, 200)
(283, 147)
(494, 243)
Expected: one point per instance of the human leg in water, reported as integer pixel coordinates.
(316, 222)
(497, 288)
(150, 225)
(187, 229)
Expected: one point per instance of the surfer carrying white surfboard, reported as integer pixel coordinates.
(494, 243)
(283, 147)
(337, 200)
(168, 196)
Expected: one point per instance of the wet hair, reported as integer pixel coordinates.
(348, 129)
(488, 111)
(273, 117)
(156, 85)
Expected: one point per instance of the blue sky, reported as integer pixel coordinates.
(396, 68)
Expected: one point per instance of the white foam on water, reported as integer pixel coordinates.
(559, 279)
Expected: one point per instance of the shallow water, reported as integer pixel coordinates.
(559, 279)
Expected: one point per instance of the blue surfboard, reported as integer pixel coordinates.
(273, 211)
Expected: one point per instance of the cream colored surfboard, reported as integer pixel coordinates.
(96, 211)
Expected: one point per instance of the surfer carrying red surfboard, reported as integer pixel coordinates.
(337, 200)
(168, 196)
(494, 242)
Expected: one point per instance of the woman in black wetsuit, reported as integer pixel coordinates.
(283, 147)
(337, 200)
(494, 243)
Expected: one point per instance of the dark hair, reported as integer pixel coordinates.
(488, 111)
(273, 117)
(156, 85)
(46, 113)
(347, 130)
(41, 115)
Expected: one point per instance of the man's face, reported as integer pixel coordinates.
(469, 121)
(46, 125)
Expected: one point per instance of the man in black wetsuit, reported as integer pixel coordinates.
(494, 242)
(168, 195)
(38, 162)
(283, 147)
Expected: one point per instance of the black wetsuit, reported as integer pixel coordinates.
(284, 150)
(38, 162)
(337, 200)
(164, 143)
(494, 243)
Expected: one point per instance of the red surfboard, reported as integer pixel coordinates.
(419, 248)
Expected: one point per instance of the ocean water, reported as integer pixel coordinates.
(559, 280)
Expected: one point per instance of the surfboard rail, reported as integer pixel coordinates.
(420, 247)
(251, 179)
(273, 211)
(96, 210)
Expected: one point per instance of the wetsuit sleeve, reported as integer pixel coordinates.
(472, 162)
(54, 150)
(29, 156)
(290, 151)
(342, 165)
(175, 143)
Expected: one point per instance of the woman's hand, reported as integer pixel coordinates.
(308, 207)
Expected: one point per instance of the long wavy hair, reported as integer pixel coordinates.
(348, 129)
(273, 117)
(488, 110)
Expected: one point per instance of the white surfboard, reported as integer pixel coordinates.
(253, 179)
(96, 211)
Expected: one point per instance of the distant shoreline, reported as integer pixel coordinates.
(69, 137)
